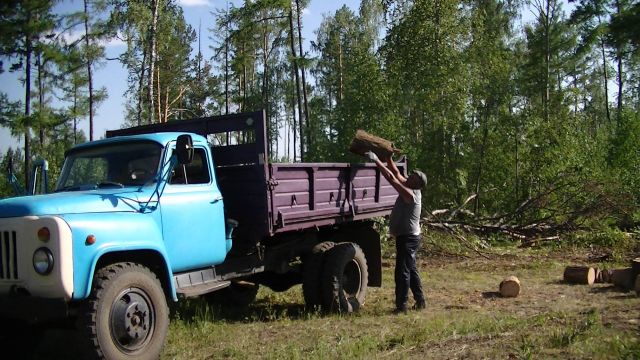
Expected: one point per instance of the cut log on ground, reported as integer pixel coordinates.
(364, 142)
(622, 278)
(635, 267)
(510, 287)
(603, 276)
(579, 275)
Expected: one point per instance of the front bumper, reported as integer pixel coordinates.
(33, 309)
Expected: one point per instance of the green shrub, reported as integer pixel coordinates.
(621, 245)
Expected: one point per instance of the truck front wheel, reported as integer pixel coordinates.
(126, 316)
(344, 278)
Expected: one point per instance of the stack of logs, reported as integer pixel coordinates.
(625, 278)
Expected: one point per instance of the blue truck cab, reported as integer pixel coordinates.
(127, 195)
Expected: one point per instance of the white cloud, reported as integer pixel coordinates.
(306, 12)
(193, 3)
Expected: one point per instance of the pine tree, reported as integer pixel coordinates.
(24, 26)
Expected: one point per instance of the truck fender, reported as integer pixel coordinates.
(154, 259)
(121, 237)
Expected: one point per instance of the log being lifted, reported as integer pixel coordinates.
(363, 142)
(510, 287)
(579, 275)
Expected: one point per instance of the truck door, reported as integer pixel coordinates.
(193, 222)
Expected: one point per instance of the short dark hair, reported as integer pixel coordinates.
(421, 176)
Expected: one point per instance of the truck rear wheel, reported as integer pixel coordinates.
(344, 278)
(312, 273)
(126, 316)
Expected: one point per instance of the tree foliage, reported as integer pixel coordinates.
(526, 120)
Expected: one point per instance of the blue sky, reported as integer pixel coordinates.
(109, 115)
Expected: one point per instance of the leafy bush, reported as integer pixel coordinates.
(621, 245)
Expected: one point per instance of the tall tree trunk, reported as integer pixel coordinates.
(485, 133)
(75, 113)
(244, 80)
(160, 120)
(517, 155)
(547, 60)
(294, 129)
(226, 75)
(605, 74)
(620, 75)
(341, 87)
(226, 65)
(297, 83)
(265, 82)
(40, 99)
(152, 57)
(143, 66)
(27, 109)
(89, 73)
(304, 79)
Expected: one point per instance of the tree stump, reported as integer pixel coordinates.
(579, 275)
(364, 142)
(622, 278)
(510, 287)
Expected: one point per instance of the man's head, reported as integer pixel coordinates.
(417, 180)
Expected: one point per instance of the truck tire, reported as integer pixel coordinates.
(126, 315)
(344, 278)
(239, 294)
(311, 274)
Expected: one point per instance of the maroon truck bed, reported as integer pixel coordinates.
(271, 198)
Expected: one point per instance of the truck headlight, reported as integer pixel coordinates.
(43, 261)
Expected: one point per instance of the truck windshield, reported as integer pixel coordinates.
(116, 165)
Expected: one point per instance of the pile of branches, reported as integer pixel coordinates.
(561, 207)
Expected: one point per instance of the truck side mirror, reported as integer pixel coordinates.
(184, 149)
(41, 168)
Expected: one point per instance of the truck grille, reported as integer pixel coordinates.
(8, 256)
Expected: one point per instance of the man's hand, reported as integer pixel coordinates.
(371, 156)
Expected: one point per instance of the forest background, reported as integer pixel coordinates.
(530, 129)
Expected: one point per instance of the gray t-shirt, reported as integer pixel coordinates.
(405, 217)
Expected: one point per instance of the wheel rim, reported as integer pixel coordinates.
(351, 279)
(132, 320)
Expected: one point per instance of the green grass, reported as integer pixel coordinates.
(465, 319)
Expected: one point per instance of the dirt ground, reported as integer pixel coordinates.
(553, 318)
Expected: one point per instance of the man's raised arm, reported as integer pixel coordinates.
(405, 193)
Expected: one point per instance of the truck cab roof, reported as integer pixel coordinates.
(162, 138)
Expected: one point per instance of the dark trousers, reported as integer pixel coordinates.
(406, 275)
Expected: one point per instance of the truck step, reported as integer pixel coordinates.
(198, 282)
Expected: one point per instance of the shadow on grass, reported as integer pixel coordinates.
(194, 310)
(491, 294)
(559, 282)
(55, 342)
(610, 289)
